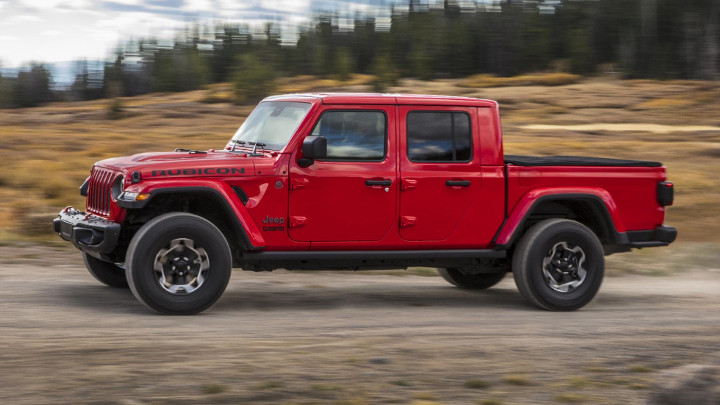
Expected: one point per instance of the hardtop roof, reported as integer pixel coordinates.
(386, 98)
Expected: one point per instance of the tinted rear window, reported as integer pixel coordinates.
(439, 136)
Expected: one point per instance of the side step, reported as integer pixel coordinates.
(366, 259)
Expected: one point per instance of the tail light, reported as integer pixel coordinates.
(665, 193)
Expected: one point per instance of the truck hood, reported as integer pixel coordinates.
(184, 164)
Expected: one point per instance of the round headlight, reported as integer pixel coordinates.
(117, 187)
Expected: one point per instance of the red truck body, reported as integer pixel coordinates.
(269, 200)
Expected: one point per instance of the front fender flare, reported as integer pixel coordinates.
(244, 224)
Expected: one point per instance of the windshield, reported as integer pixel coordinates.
(271, 123)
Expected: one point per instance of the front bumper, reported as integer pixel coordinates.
(660, 236)
(89, 233)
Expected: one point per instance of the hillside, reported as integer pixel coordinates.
(48, 151)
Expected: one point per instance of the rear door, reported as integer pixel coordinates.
(351, 195)
(440, 176)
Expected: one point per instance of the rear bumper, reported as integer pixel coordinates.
(89, 233)
(660, 236)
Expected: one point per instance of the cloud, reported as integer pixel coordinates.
(165, 4)
(126, 2)
(101, 34)
(172, 9)
(52, 4)
(197, 5)
(289, 6)
(138, 24)
(25, 18)
(55, 30)
(225, 5)
(40, 4)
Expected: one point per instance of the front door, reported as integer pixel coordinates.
(351, 195)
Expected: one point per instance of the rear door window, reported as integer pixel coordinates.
(439, 136)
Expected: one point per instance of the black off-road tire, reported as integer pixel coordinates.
(153, 239)
(107, 273)
(480, 281)
(536, 245)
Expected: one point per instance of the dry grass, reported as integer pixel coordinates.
(490, 401)
(517, 379)
(48, 151)
(640, 368)
(569, 398)
(214, 388)
(663, 103)
(306, 83)
(425, 396)
(537, 79)
(477, 384)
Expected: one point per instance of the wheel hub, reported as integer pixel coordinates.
(181, 267)
(563, 267)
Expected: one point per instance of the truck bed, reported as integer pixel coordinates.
(519, 160)
(632, 185)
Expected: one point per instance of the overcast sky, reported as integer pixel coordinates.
(65, 30)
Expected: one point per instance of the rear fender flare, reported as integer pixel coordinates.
(600, 200)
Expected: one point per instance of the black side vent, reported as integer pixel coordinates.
(84, 187)
(241, 194)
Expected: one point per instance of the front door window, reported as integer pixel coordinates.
(353, 135)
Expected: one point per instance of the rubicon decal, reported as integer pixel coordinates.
(207, 171)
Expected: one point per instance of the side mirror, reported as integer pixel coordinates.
(313, 147)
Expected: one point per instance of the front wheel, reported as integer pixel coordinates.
(178, 264)
(107, 273)
(559, 265)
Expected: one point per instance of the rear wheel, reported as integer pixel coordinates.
(107, 273)
(478, 281)
(559, 265)
(178, 264)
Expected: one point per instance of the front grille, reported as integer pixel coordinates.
(98, 198)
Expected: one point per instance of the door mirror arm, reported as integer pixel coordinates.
(304, 162)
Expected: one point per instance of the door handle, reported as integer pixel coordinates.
(296, 222)
(457, 183)
(408, 184)
(298, 183)
(378, 183)
(407, 221)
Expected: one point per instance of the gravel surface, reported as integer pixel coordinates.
(331, 337)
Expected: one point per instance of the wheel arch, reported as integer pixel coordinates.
(224, 209)
(593, 208)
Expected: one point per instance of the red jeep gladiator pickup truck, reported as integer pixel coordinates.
(364, 181)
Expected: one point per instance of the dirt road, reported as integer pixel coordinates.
(342, 338)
